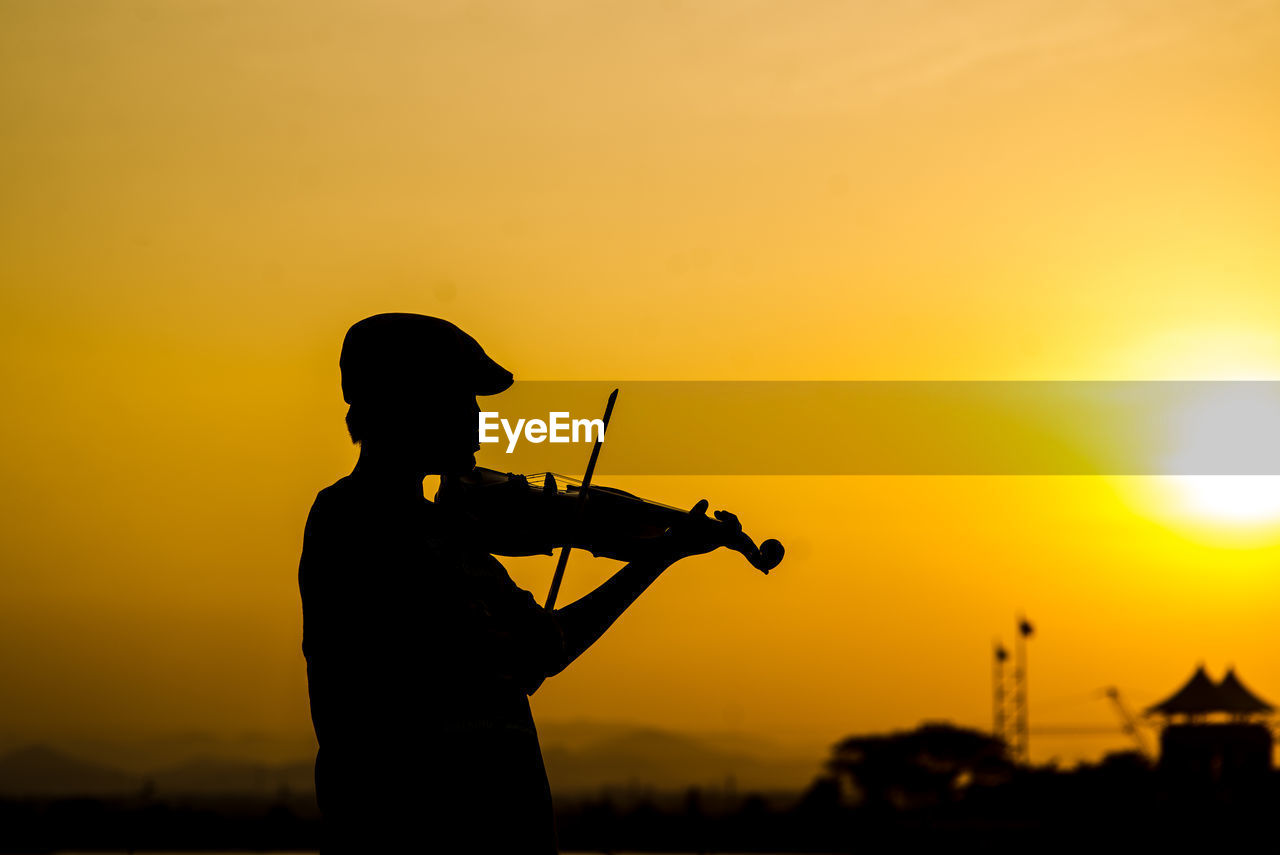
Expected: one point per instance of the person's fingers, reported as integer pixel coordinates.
(729, 519)
(744, 544)
(700, 509)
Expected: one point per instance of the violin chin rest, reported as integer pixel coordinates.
(771, 552)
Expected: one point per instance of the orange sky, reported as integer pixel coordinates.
(201, 197)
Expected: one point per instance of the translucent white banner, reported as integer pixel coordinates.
(892, 428)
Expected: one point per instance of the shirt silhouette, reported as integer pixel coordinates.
(420, 654)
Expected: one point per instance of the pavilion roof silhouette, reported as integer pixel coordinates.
(1201, 695)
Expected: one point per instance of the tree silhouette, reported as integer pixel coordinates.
(933, 764)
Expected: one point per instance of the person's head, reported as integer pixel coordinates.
(412, 382)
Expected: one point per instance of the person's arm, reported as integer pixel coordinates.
(585, 620)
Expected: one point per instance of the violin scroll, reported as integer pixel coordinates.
(727, 532)
(768, 556)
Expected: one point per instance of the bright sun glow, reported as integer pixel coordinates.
(1232, 498)
(1220, 446)
(1231, 427)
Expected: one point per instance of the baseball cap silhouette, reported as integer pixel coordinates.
(397, 353)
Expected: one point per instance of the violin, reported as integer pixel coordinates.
(523, 515)
(519, 515)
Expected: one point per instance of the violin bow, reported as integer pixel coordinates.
(563, 560)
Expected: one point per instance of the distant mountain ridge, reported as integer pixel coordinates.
(39, 770)
(665, 760)
(216, 776)
(580, 757)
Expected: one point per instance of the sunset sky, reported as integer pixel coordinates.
(201, 196)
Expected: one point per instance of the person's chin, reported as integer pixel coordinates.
(460, 464)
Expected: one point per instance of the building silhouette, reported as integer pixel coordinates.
(1214, 732)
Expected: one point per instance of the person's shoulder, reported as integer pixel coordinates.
(339, 491)
(336, 499)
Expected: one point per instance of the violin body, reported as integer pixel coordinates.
(533, 515)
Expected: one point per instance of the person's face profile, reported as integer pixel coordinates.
(446, 431)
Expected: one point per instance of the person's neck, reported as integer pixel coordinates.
(390, 472)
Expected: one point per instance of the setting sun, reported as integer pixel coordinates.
(1239, 499)
(1231, 427)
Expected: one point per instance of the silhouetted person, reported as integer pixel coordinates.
(420, 650)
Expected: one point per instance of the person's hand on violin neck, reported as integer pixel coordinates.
(696, 534)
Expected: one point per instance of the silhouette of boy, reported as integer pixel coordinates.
(421, 652)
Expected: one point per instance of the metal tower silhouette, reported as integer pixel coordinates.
(1011, 714)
